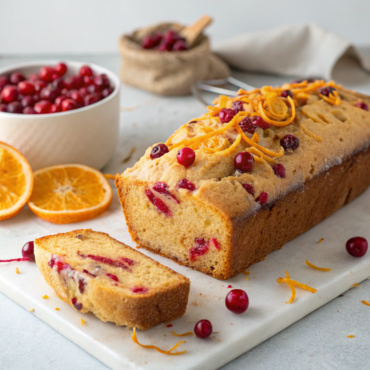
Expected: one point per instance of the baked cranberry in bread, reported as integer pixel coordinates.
(289, 157)
(95, 273)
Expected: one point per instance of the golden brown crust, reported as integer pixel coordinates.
(115, 305)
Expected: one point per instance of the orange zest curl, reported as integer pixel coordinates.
(317, 268)
(292, 283)
(366, 303)
(135, 340)
(291, 286)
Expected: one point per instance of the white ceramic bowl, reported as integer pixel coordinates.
(85, 136)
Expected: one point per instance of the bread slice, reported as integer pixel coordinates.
(95, 273)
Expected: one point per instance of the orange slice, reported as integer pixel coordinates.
(69, 193)
(16, 181)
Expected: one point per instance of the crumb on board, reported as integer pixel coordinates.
(350, 336)
(17, 270)
(320, 240)
(246, 278)
(31, 310)
(45, 297)
(57, 309)
(229, 286)
(82, 321)
(246, 272)
(355, 285)
(263, 258)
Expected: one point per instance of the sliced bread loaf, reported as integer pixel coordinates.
(95, 273)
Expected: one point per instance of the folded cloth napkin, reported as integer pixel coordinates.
(304, 50)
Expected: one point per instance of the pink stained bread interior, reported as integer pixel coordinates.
(95, 273)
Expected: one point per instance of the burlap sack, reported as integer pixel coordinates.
(167, 73)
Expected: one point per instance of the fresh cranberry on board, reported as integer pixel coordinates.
(357, 246)
(237, 301)
(203, 329)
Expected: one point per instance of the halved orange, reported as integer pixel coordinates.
(69, 193)
(16, 181)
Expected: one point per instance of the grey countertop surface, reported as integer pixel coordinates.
(317, 341)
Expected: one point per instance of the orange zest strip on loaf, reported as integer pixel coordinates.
(297, 284)
(182, 335)
(135, 340)
(291, 286)
(317, 268)
(366, 303)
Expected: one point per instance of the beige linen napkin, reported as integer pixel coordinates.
(303, 50)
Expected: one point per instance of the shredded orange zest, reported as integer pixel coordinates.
(134, 339)
(45, 297)
(266, 102)
(82, 322)
(31, 310)
(291, 286)
(246, 278)
(366, 303)
(355, 285)
(17, 270)
(317, 268)
(57, 309)
(246, 272)
(350, 336)
(320, 240)
(182, 335)
(110, 177)
(297, 284)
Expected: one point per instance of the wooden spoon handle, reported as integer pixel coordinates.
(192, 32)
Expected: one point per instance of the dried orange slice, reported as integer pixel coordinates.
(69, 193)
(16, 181)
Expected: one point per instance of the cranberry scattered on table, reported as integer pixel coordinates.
(167, 41)
(51, 91)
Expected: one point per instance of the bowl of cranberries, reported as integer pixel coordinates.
(60, 112)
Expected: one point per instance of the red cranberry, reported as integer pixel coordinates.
(28, 101)
(51, 263)
(28, 251)
(91, 89)
(199, 249)
(170, 37)
(106, 92)
(33, 77)
(36, 97)
(64, 92)
(357, 246)
(61, 69)
(26, 88)
(4, 80)
(88, 80)
(164, 47)
(250, 124)
(163, 188)
(237, 301)
(16, 78)
(113, 277)
(158, 151)
(55, 108)
(238, 106)
(289, 142)
(42, 107)
(286, 93)
(70, 82)
(78, 306)
(59, 83)
(244, 162)
(9, 94)
(91, 99)
(68, 104)
(362, 105)
(14, 107)
(55, 76)
(101, 82)
(186, 184)
(3, 107)
(81, 286)
(262, 198)
(327, 90)
(139, 290)
(186, 156)
(77, 97)
(28, 110)
(59, 99)
(49, 93)
(151, 41)
(82, 92)
(203, 329)
(249, 188)
(39, 85)
(86, 71)
(279, 170)
(161, 207)
(46, 74)
(180, 45)
(226, 115)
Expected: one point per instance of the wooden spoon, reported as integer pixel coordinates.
(192, 32)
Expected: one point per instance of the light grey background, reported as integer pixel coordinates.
(93, 26)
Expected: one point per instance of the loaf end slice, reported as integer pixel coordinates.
(95, 273)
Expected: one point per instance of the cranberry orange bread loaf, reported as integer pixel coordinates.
(253, 173)
(95, 273)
